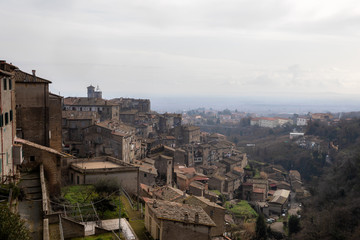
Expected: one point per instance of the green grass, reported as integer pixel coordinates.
(247, 167)
(217, 192)
(241, 210)
(105, 236)
(84, 194)
(257, 173)
(135, 219)
(79, 193)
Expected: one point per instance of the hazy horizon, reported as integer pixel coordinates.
(206, 49)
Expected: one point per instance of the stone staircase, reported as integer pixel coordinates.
(30, 208)
(30, 182)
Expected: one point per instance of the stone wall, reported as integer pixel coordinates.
(33, 157)
(55, 115)
(32, 101)
(179, 230)
(72, 229)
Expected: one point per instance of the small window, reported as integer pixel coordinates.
(10, 84)
(32, 158)
(5, 83)
(6, 118)
(11, 115)
(72, 178)
(78, 179)
(1, 120)
(145, 175)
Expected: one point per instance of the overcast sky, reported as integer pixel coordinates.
(186, 47)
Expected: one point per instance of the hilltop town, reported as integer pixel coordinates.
(83, 166)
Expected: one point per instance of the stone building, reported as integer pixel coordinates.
(187, 134)
(91, 93)
(164, 162)
(168, 121)
(90, 171)
(11, 155)
(113, 138)
(168, 193)
(38, 112)
(210, 153)
(73, 123)
(215, 212)
(217, 182)
(55, 121)
(171, 220)
(126, 104)
(148, 172)
(255, 189)
(129, 116)
(164, 165)
(278, 201)
(106, 109)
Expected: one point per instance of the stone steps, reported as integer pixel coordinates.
(32, 187)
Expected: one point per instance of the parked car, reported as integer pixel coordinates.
(270, 220)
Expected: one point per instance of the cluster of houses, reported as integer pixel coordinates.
(82, 140)
(296, 120)
(171, 167)
(270, 192)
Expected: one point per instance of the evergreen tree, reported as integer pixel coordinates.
(11, 226)
(261, 233)
(294, 224)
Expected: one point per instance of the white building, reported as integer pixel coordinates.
(301, 121)
(269, 122)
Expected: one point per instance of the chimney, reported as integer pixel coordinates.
(196, 217)
(186, 216)
(34, 72)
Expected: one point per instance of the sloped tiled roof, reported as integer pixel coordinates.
(173, 211)
(200, 201)
(168, 193)
(21, 76)
(84, 101)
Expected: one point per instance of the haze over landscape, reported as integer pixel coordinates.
(294, 56)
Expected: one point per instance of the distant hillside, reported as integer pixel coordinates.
(334, 210)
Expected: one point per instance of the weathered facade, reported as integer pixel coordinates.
(55, 118)
(168, 121)
(148, 172)
(10, 154)
(34, 105)
(215, 212)
(90, 171)
(125, 104)
(278, 201)
(187, 134)
(73, 123)
(106, 109)
(112, 138)
(170, 220)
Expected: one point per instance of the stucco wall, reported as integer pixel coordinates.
(128, 180)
